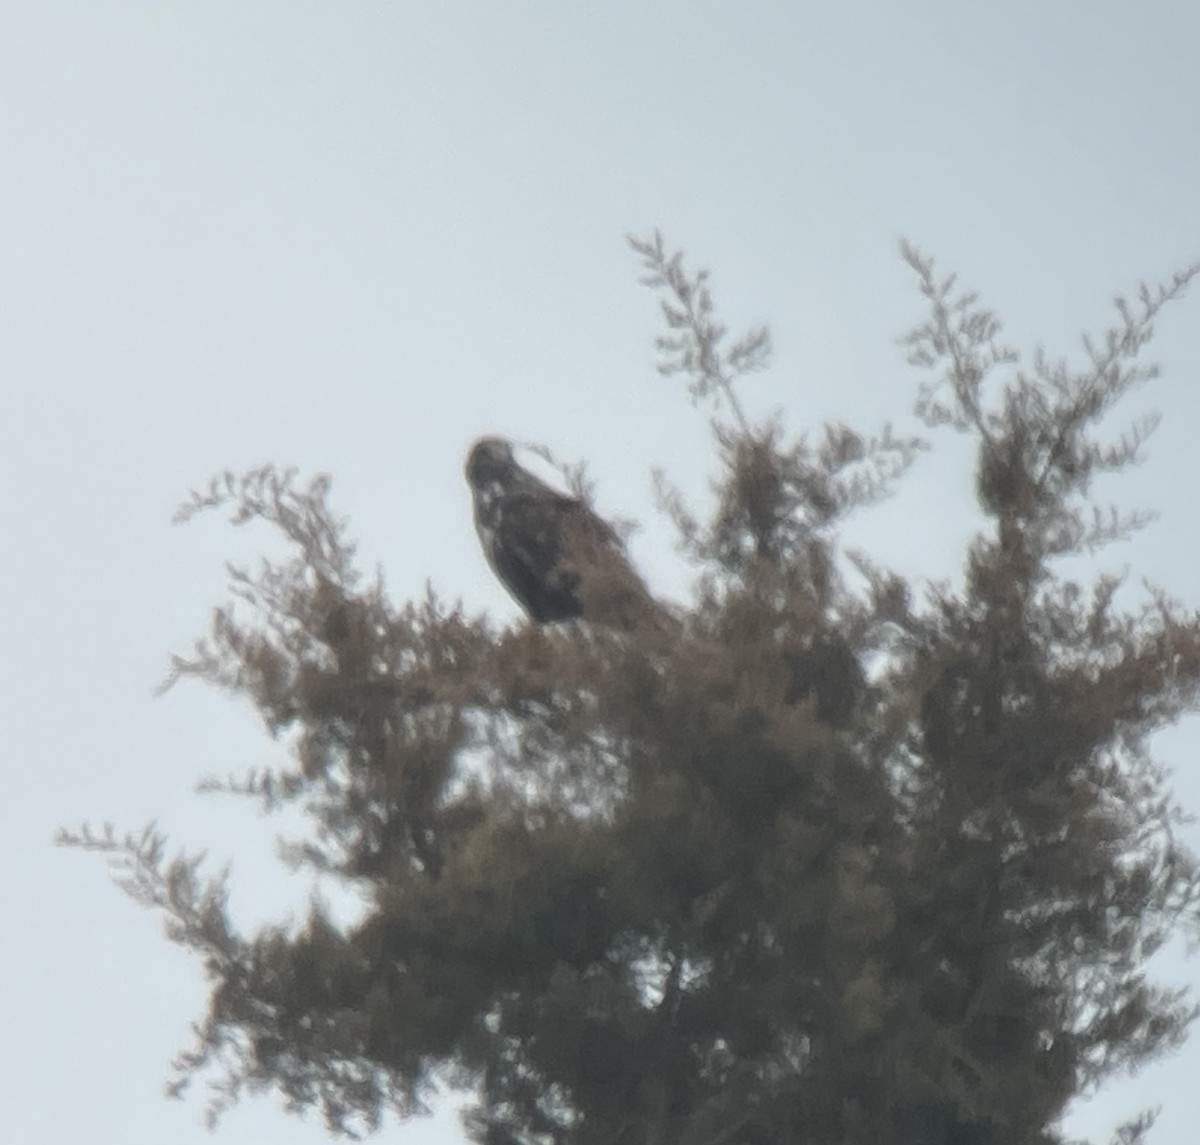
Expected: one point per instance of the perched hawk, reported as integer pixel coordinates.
(557, 558)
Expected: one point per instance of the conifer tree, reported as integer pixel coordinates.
(832, 858)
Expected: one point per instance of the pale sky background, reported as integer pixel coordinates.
(351, 236)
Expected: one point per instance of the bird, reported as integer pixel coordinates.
(557, 557)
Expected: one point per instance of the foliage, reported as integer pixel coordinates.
(832, 860)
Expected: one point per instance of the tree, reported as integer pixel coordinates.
(827, 859)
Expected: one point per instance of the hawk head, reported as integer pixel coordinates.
(490, 463)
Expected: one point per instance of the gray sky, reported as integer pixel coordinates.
(352, 236)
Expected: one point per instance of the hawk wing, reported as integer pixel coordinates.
(529, 551)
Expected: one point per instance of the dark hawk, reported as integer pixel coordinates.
(551, 551)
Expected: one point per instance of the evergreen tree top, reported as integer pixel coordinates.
(820, 855)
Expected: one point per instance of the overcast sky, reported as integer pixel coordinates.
(352, 236)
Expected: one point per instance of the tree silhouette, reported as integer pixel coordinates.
(832, 859)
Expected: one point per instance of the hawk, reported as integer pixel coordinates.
(551, 551)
